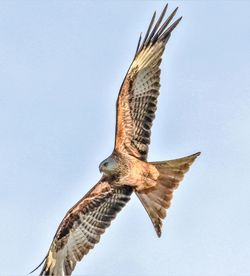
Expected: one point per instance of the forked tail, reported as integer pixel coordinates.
(157, 200)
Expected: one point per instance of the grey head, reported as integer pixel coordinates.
(108, 166)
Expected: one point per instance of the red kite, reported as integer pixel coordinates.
(126, 170)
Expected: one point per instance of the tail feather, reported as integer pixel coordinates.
(157, 200)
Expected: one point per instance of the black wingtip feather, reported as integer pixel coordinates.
(157, 24)
(158, 33)
(170, 29)
(138, 44)
(148, 31)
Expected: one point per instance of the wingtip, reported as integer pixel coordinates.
(38, 265)
(175, 10)
(158, 234)
(172, 27)
(177, 21)
(165, 8)
(158, 32)
(194, 156)
(158, 230)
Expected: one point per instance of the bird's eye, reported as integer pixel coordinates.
(105, 164)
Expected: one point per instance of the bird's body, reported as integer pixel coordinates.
(126, 170)
(120, 168)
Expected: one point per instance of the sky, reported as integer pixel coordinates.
(61, 66)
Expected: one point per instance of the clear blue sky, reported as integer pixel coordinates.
(61, 65)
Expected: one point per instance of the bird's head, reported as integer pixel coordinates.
(108, 166)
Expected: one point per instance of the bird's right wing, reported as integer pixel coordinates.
(82, 227)
(137, 100)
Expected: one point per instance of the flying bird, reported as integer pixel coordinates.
(126, 170)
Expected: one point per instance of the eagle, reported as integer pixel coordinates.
(126, 170)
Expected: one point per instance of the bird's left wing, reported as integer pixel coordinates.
(82, 227)
(137, 100)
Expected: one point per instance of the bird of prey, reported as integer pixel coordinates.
(126, 170)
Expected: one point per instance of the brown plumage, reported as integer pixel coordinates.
(126, 169)
(82, 227)
(137, 100)
(157, 200)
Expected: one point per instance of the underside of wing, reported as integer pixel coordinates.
(82, 227)
(137, 100)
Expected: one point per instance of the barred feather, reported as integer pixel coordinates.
(83, 226)
(137, 100)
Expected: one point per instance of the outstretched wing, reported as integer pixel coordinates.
(137, 100)
(82, 227)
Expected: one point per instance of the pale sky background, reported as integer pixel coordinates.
(61, 66)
